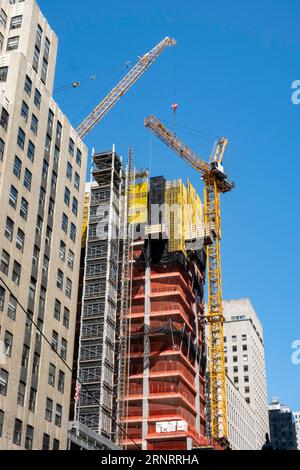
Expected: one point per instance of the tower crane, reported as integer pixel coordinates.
(122, 87)
(215, 182)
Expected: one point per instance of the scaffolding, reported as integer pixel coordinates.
(99, 306)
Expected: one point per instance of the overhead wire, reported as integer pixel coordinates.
(68, 367)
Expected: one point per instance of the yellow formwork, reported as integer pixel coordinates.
(85, 219)
(138, 203)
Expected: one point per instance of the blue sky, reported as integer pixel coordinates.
(231, 75)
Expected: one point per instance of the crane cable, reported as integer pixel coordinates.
(68, 367)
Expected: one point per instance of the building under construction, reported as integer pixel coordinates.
(142, 351)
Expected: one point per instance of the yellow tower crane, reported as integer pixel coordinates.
(122, 87)
(216, 182)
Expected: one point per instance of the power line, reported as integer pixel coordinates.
(68, 367)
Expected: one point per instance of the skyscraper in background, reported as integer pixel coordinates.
(42, 174)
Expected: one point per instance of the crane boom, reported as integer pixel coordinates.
(122, 87)
(169, 138)
(215, 182)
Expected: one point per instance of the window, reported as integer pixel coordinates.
(25, 356)
(48, 235)
(235, 359)
(45, 169)
(63, 349)
(3, 382)
(4, 119)
(244, 337)
(36, 56)
(31, 151)
(71, 259)
(16, 274)
(67, 197)
(38, 36)
(46, 49)
(71, 147)
(75, 206)
(2, 148)
(247, 400)
(58, 134)
(49, 409)
(27, 179)
(17, 168)
(1, 422)
(78, 157)
(24, 111)
(54, 340)
(36, 255)
(245, 347)
(73, 232)
(36, 364)
(18, 432)
(34, 124)
(57, 309)
(55, 444)
(61, 381)
(42, 301)
(47, 145)
(245, 358)
(247, 389)
(32, 400)
(60, 279)
(1, 41)
(29, 437)
(65, 222)
(21, 139)
(4, 265)
(44, 71)
(234, 348)
(39, 226)
(32, 289)
(233, 338)
(246, 368)
(51, 207)
(2, 298)
(24, 209)
(69, 171)
(50, 122)
(28, 86)
(37, 98)
(21, 393)
(42, 197)
(235, 369)
(16, 22)
(62, 250)
(3, 18)
(8, 341)
(13, 43)
(53, 181)
(58, 415)
(3, 74)
(56, 154)
(12, 307)
(68, 288)
(246, 378)
(236, 380)
(77, 181)
(9, 229)
(46, 442)
(51, 376)
(66, 318)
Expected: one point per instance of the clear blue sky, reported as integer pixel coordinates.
(231, 74)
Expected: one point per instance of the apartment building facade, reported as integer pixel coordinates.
(282, 426)
(42, 174)
(245, 360)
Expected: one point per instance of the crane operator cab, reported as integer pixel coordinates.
(218, 170)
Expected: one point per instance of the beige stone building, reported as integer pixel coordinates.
(42, 176)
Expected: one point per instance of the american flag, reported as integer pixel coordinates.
(77, 391)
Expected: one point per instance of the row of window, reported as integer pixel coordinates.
(63, 345)
(4, 267)
(58, 313)
(37, 53)
(15, 21)
(234, 348)
(234, 338)
(9, 234)
(65, 225)
(60, 283)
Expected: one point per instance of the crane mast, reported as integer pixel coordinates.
(215, 182)
(122, 87)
